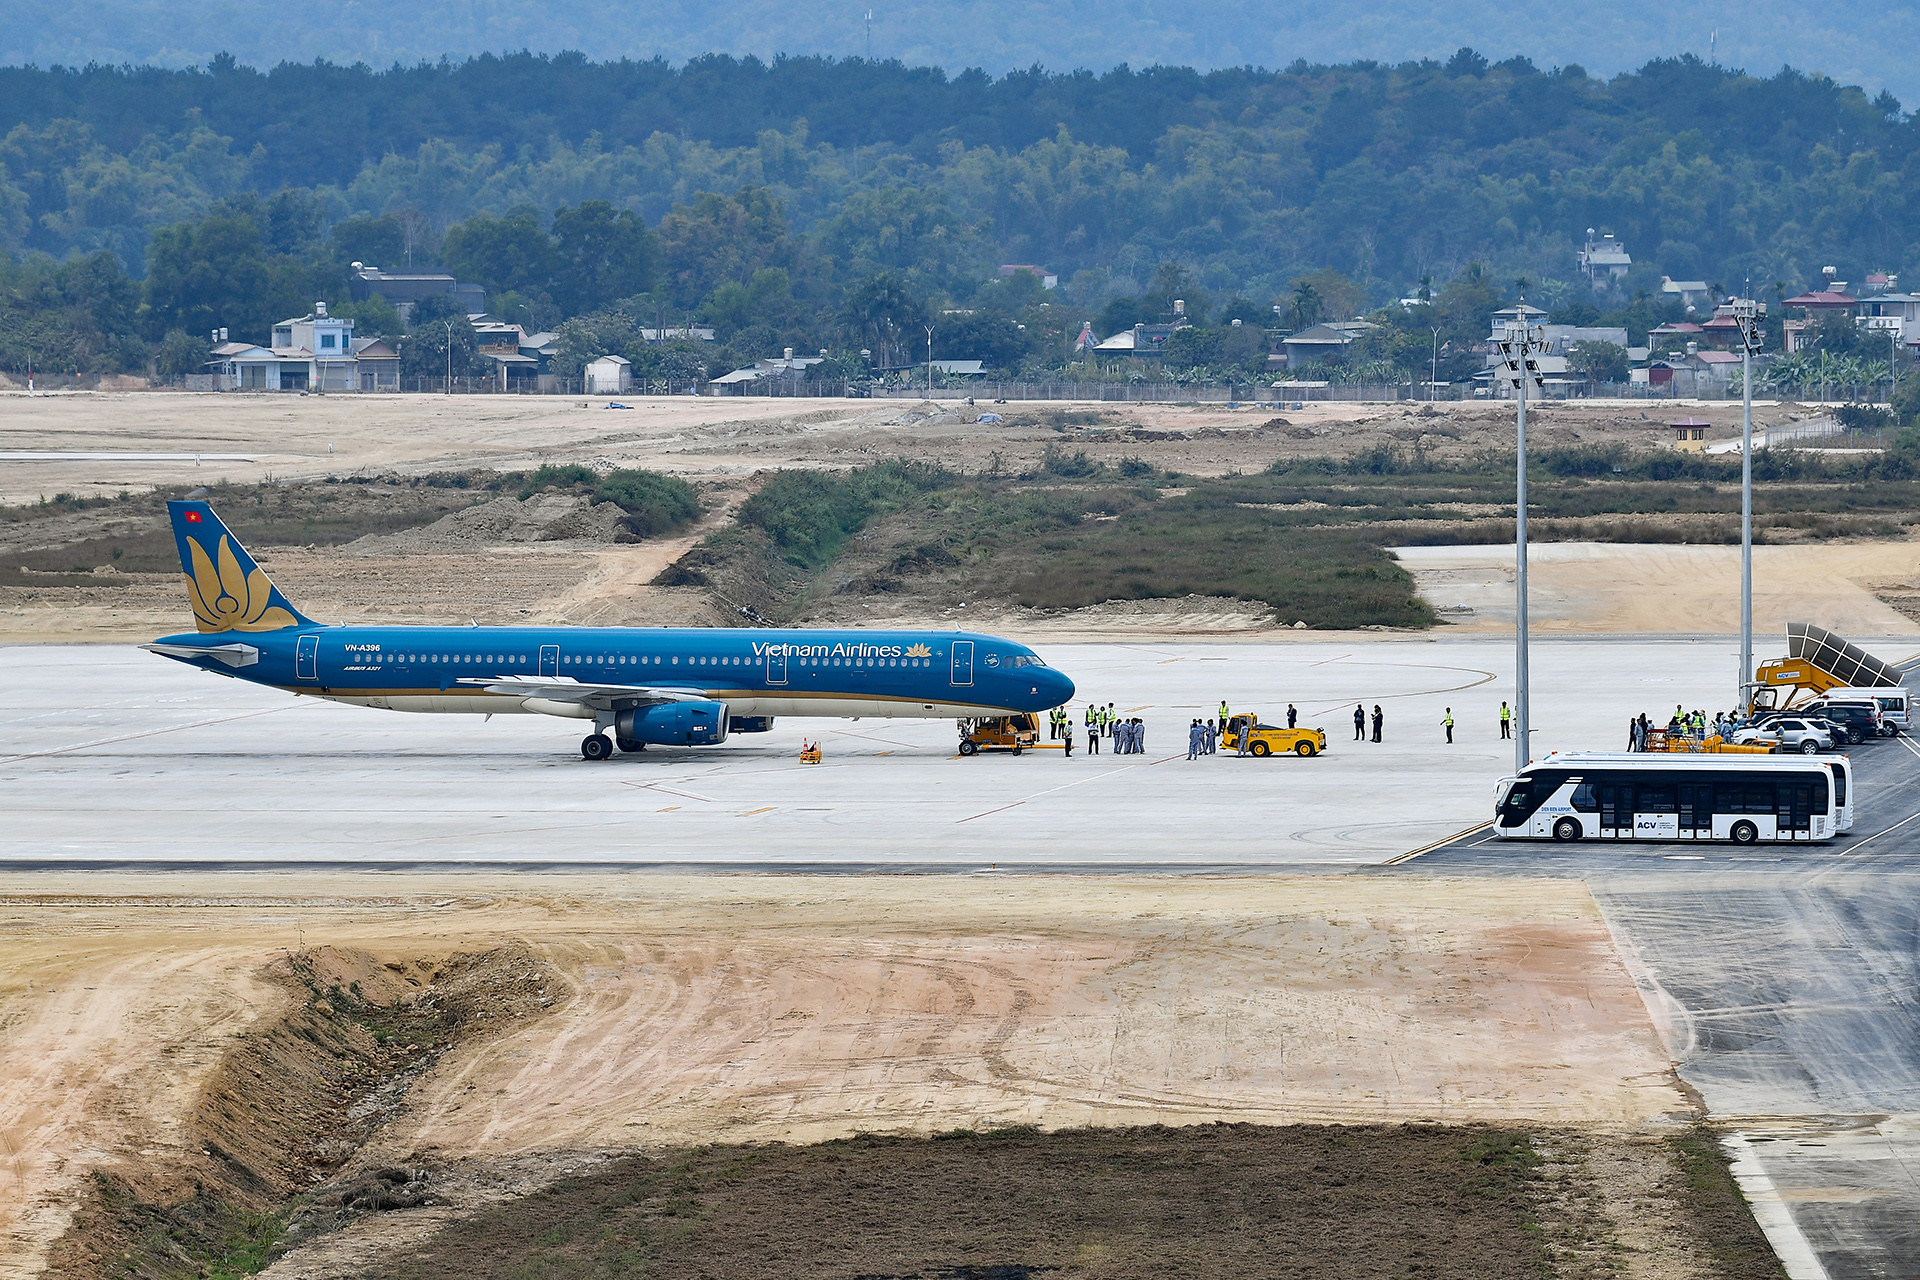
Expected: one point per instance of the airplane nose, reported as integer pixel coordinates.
(1059, 686)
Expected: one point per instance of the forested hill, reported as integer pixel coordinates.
(1868, 42)
(764, 196)
(1386, 173)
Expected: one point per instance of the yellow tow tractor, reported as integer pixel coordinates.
(1014, 733)
(1267, 739)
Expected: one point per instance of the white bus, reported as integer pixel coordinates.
(1655, 796)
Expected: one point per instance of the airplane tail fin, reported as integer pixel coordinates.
(227, 590)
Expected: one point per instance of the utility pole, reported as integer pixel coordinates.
(1747, 313)
(1517, 347)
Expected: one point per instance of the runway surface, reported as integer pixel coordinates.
(111, 754)
(1786, 981)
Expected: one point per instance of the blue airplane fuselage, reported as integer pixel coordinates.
(755, 672)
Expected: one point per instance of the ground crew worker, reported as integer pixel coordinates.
(1359, 723)
(1196, 739)
(1223, 711)
(1506, 720)
(1066, 731)
(1093, 730)
(1448, 722)
(1111, 721)
(1292, 716)
(1213, 736)
(1378, 719)
(1241, 735)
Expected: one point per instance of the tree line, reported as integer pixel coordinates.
(850, 205)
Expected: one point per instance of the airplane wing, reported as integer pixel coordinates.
(234, 655)
(600, 697)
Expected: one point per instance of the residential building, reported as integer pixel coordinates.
(609, 376)
(376, 365)
(787, 368)
(403, 289)
(1321, 343)
(1604, 261)
(1689, 292)
(1897, 313)
(1814, 305)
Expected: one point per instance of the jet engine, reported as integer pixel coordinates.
(671, 724)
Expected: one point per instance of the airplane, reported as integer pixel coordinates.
(649, 686)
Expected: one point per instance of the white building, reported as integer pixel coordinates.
(315, 352)
(609, 376)
(1604, 261)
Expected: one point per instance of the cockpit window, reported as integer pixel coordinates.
(1027, 660)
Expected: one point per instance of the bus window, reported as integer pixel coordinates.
(1583, 798)
(1839, 786)
(1655, 798)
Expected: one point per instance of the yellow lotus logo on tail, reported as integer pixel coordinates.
(919, 651)
(228, 599)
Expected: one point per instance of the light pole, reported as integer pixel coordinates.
(1518, 345)
(1746, 312)
(929, 364)
(449, 382)
(1433, 367)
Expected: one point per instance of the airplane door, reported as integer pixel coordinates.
(963, 662)
(776, 665)
(550, 660)
(306, 659)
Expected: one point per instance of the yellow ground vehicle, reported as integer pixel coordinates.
(1817, 660)
(1266, 739)
(1015, 733)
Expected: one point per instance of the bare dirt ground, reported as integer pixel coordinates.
(1869, 587)
(747, 1009)
(297, 437)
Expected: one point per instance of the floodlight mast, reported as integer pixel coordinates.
(1746, 313)
(1517, 346)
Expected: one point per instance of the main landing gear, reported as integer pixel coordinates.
(596, 746)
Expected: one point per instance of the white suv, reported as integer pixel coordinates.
(1791, 734)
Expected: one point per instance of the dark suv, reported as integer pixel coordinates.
(1860, 720)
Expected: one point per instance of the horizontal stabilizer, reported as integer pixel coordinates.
(234, 655)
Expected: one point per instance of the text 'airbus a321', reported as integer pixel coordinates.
(648, 686)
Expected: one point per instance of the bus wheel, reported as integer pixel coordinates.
(968, 747)
(1744, 833)
(1566, 830)
(1261, 749)
(1303, 748)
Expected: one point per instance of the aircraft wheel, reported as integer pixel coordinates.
(596, 746)
(1303, 748)
(1744, 833)
(1565, 830)
(968, 747)
(1261, 749)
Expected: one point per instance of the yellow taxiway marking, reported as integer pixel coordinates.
(749, 813)
(670, 808)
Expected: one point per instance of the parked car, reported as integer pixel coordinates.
(1863, 719)
(1838, 731)
(1793, 733)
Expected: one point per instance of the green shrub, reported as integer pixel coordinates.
(811, 514)
(655, 504)
(564, 476)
